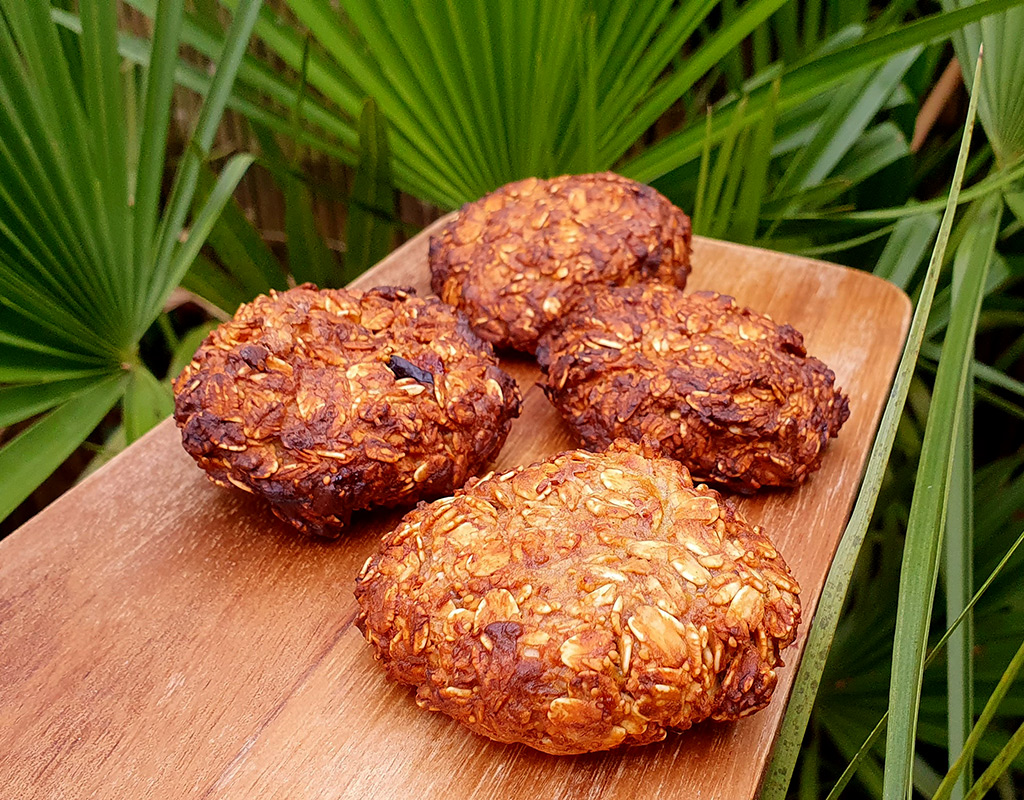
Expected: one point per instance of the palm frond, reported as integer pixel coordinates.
(1000, 107)
(809, 78)
(86, 257)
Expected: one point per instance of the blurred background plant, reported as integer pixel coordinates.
(810, 126)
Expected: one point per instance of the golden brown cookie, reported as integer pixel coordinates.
(725, 390)
(518, 258)
(325, 402)
(581, 603)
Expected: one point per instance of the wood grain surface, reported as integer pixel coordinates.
(162, 637)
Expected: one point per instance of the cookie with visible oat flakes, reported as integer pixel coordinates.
(583, 602)
(727, 391)
(516, 260)
(324, 402)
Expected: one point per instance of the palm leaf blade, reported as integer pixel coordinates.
(26, 460)
(18, 403)
(369, 227)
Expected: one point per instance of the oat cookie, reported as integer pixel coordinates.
(580, 603)
(325, 402)
(725, 390)
(516, 259)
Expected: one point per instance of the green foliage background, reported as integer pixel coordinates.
(784, 124)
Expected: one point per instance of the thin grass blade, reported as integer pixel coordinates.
(104, 106)
(809, 79)
(959, 572)
(819, 639)
(848, 116)
(725, 39)
(255, 83)
(747, 213)
(1000, 764)
(960, 765)
(240, 247)
(704, 171)
(880, 727)
(717, 181)
(160, 75)
(906, 248)
(929, 505)
(992, 183)
(215, 286)
(168, 267)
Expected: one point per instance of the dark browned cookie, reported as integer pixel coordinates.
(324, 402)
(581, 603)
(724, 389)
(516, 259)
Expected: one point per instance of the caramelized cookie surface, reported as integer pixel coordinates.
(328, 401)
(580, 603)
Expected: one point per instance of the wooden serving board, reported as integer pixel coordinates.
(162, 637)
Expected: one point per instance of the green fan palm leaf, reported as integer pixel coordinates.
(88, 252)
(511, 98)
(810, 77)
(1001, 103)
